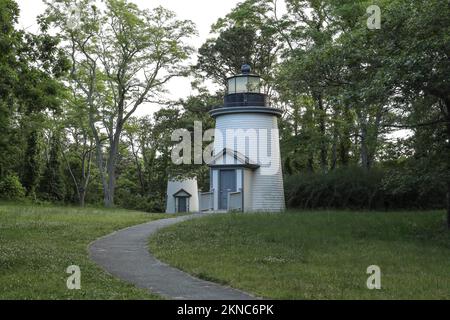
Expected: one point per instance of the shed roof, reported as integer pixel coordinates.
(182, 194)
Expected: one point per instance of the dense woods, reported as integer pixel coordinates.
(366, 119)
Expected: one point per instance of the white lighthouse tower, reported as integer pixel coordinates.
(246, 173)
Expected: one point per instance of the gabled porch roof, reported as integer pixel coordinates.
(241, 160)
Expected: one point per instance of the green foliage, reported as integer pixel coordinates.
(245, 35)
(30, 67)
(135, 201)
(121, 57)
(417, 182)
(32, 164)
(8, 39)
(52, 186)
(11, 188)
(357, 188)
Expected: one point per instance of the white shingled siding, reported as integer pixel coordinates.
(267, 192)
(245, 125)
(248, 181)
(266, 187)
(189, 186)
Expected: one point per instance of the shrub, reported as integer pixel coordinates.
(128, 196)
(141, 203)
(356, 188)
(11, 188)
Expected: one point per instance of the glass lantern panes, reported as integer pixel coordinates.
(253, 84)
(241, 84)
(244, 84)
(232, 86)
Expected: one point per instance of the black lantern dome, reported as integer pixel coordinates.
(245, 90)
(246, 69)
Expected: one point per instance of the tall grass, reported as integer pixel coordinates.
(38, 243)
(316, 255)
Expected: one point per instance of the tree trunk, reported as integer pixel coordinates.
(363, 134)
(86, 175)
(138, 166)
(345, 139)
(322, 130)
(364, 149)
(99, 156)
(372, 140)
(83, 190)
(82, 195)
(334, 154)
(344, 150)
(109, 201)
(310, 164)
(112, 160)
(334, 148)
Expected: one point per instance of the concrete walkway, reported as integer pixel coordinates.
(125, 254)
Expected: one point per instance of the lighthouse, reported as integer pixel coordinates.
(246, 171)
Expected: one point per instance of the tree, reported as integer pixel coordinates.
(78, 145)
(396, 77)
(305, 72)
(121, 58)
(415, 50)
(132, 134)
(8, 39)
(30, 66)
(244, 36)
(52, 186)
(32, 168)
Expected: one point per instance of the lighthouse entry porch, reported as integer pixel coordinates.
(230, 186)
(227, 192)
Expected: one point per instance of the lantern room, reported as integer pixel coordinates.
(244, 89)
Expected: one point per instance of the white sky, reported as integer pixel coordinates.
(202, 12)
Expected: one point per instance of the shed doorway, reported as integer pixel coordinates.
(182, 205)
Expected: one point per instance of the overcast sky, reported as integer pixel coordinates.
(202, 12)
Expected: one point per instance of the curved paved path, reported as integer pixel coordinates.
(125, 254)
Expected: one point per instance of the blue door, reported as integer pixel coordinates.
(182, 205)
(227, 184)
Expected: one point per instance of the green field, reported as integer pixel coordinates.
(315, 255)
(37, 244)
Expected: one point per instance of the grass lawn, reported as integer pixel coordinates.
(315, 255)
(37, 244)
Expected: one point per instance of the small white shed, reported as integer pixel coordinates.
(182, 196)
